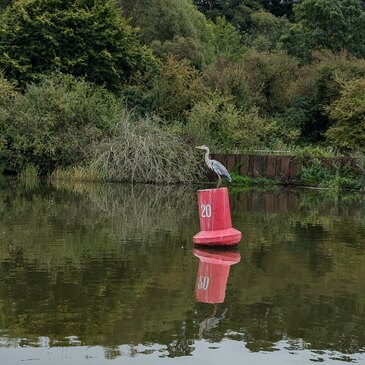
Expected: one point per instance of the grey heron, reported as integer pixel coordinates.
(215, 165)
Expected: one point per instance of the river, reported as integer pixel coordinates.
(103, 274)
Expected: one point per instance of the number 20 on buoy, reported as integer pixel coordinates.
(215, 219)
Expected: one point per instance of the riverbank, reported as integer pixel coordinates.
(320, 172)
(248, 170)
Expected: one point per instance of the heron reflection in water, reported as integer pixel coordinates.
(211, 322)
(215, 165)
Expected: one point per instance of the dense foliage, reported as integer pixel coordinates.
(348, 112)
(171, 26)
(237, 74)
(83, 38)
(55, 122)
(143, 151)
(332, 24)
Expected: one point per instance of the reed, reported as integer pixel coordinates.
(76, 173)
(29, 176)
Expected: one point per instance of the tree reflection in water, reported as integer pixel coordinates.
(111, 264)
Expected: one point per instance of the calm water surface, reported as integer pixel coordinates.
(104, 274)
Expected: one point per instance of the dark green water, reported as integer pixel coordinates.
(94, 274)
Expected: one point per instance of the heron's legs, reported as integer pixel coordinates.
(219, 181)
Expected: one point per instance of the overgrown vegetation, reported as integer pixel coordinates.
(30, 176)
(142, 150)
(54, 123)
(348, 113)
(238, 75)
(317, 173)
(76, 173)
(82, 38)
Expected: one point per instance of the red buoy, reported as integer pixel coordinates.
(213, 272)
(215, 219)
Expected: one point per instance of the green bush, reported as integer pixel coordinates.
(270, 77)
(141, 150)
(317, 86)
(336, 25)
(261, 79)
(226, 40)
(83, 38)
(348, 113)
(171, 27)
(54, 123)
(7, 91)
(176, 89)
(266, 30)
(228, 78)
(7, 94)
(170, 93)
(344, 182)
(164, 19)
(183, 48)
(297, 43)
(333, 24)
(218, 123)
(237, 12)
(314, 173)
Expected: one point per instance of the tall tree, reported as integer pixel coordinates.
(82, 37)
(266, 30)
(331, 24)
(236, 12)
(280, 7)
(164, 19)
(170, 27)
(233, 10)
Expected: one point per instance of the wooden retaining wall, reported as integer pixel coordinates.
(282, 167)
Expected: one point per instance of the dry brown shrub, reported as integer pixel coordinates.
(141, 150)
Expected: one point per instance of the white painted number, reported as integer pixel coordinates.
(203, 282)
(206, 210)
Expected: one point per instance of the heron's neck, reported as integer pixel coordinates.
(207, 160)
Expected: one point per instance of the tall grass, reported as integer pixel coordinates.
(29, 176)
(76, 173)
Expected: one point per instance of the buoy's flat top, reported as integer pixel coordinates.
(214, 189)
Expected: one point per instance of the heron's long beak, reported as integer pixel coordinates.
(199, 147)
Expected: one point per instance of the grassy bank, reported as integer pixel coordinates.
(313, 173)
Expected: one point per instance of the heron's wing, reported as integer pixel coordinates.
(221, 170)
